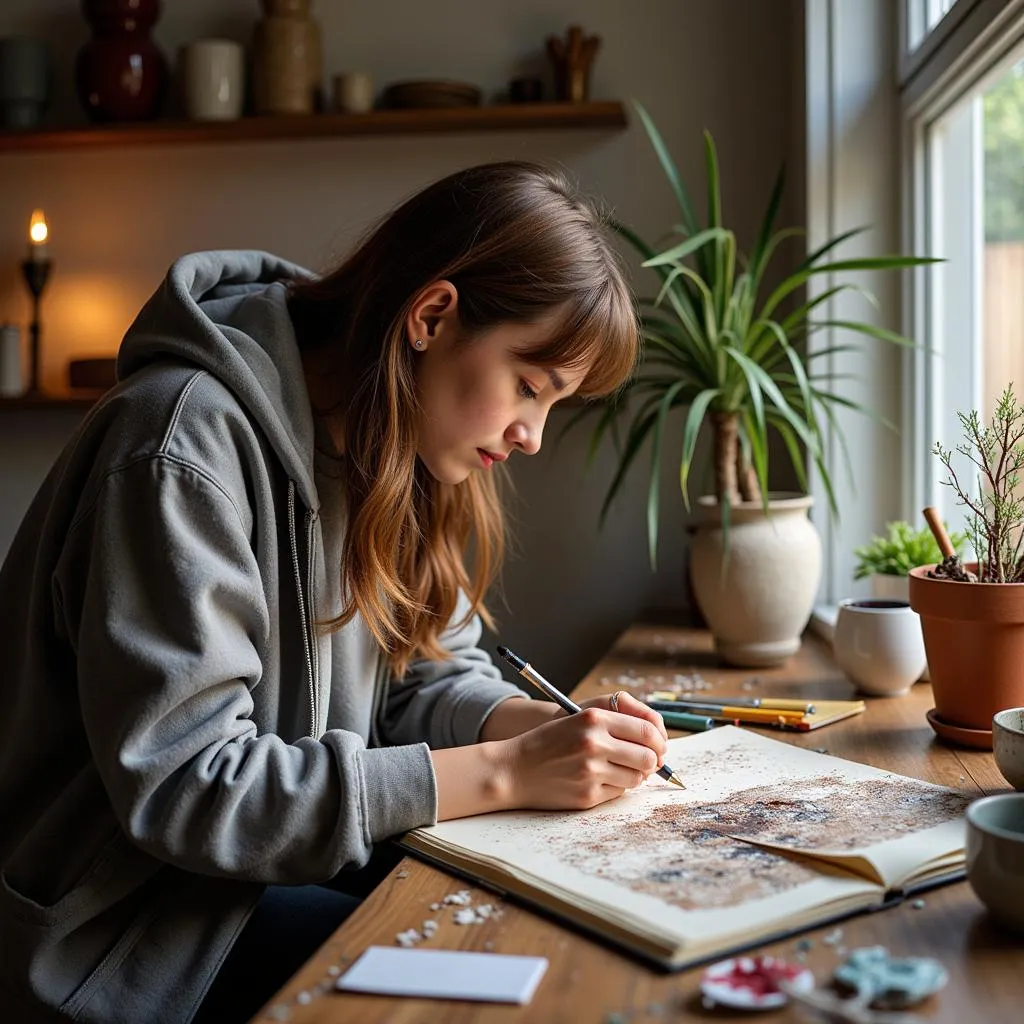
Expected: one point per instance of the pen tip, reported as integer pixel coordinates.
(676, 781)
(503, 652)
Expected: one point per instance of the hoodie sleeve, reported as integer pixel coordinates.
(446, 702)
(164, 603)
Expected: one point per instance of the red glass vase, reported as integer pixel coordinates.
(120, 74)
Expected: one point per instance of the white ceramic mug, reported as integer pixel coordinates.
(995, 855)
(353, 92)
(879, 646)
(213, 79)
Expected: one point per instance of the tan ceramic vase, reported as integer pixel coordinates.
(974, 637)
(287, 59)
(758, 601)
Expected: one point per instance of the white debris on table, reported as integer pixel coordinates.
(474, 915)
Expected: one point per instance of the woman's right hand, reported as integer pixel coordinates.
(581, 760)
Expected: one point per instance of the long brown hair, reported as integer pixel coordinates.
(517, 241)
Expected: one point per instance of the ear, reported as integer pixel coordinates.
(433, 314)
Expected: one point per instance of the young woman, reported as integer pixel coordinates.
(239, 631)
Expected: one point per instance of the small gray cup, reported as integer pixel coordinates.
(24, 80)
(995, 856)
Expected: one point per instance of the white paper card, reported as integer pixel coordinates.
(445, 974)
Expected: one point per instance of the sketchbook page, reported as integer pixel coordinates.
(653, 863)
(877, 823)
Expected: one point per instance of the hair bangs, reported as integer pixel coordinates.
(600, 331)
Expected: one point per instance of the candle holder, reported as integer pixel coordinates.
(36, 272)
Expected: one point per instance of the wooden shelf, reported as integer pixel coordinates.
(503, 117)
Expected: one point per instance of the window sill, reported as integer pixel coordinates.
(823, 621)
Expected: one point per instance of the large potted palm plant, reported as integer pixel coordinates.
(732, 352)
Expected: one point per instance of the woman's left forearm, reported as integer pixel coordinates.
(515, 716)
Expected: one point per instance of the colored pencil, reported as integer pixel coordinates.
(683, 720)
(663, 700)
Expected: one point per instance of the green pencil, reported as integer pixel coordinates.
(683, 720)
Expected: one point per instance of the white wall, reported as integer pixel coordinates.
(119, 217)
(853, 180)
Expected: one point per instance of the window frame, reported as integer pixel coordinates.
(969, 52)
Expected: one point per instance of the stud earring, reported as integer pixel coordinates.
(418, 343)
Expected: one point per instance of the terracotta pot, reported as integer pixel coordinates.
(974, 637)
(757, 603)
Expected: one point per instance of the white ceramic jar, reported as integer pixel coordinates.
(213, 79)
(879, 646)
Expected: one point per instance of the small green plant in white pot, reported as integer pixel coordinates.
(886, 561)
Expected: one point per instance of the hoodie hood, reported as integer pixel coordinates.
(226, 312)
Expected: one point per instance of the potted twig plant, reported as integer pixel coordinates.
(732, 353)
(973, 615)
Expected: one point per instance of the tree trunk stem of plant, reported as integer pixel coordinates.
(750, 489)
(727, 446)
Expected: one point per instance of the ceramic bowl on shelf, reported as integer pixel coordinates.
(431, 94)
(1008, 745)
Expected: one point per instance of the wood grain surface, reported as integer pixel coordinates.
(588, 981)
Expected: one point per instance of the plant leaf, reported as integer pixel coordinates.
(694, 418)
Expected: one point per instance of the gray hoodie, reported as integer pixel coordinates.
(175, 732)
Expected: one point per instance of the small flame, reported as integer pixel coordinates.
(37, 230)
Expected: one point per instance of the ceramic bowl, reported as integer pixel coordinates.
(995, 856)
(1008, 745)
(879, 646)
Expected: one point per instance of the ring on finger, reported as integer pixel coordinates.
(613, 700)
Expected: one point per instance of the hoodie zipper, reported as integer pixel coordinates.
(303, 617)
(311, 518)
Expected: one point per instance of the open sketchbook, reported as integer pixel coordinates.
(767, 839)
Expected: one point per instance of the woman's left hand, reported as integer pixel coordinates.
(625, 704)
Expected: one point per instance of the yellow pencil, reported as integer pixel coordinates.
(761, 714)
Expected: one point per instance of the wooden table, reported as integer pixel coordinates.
(589, 982)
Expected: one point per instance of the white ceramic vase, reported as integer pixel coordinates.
(758, 601)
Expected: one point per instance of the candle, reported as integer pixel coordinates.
(37, 237)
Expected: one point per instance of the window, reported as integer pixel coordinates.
(922, 17)
(965, 135)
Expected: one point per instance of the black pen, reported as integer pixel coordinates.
(527, 671)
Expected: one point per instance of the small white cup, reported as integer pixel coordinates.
(353, 92)
(213, 79)
(879, 646)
